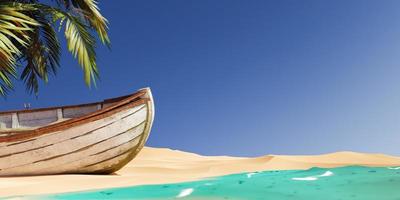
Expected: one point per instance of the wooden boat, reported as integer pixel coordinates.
(97, 138)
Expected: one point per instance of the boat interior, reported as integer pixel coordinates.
(28, 119)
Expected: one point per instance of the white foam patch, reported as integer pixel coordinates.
(208, 184)
(395, 168)
(185, 192)
(314, 178)
(310, 178)
(249, 175)
(327, 173)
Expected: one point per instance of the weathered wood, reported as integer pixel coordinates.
(98, 139)
(14, 121)
(60, 114)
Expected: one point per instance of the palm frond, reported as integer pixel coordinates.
(7, 72)
(82, 46)
(28, 37)
(91, 12)
(80, 41)
(42, 56)
(15, 27)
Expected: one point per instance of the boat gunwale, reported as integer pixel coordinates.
(122, 103)
(111, 100)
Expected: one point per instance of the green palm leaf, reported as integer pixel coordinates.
(82, 46)
(42, 56)
(91, 12)
(28, 38)
(15, 28)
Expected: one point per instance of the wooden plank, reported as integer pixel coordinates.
(95, 153)
(106, 165)
(60, 115)
(127, 103)
(100, 142)
(112, 100)
(73, 144)
(5, 121)
(59, 136)
(37, 119)
(14, 120)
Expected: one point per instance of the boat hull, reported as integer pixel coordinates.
(101, 145)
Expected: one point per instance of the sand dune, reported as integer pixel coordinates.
(161, 165)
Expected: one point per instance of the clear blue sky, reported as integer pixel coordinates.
(249, 78)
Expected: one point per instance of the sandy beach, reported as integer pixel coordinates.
(162, 165)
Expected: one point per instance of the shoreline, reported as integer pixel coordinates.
(163, 166)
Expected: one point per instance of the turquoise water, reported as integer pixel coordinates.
(352, 183)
